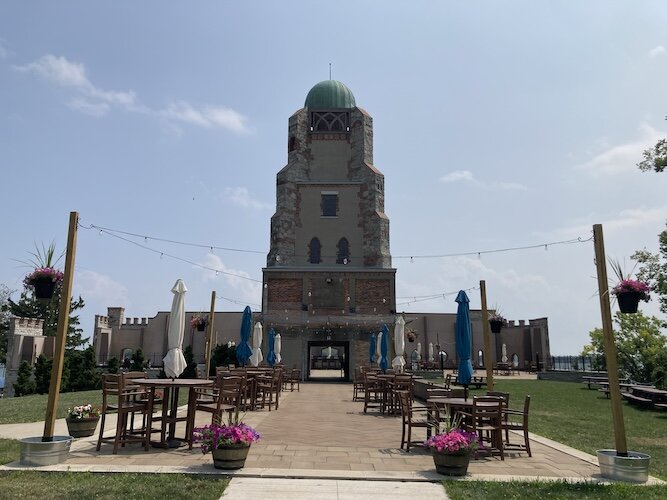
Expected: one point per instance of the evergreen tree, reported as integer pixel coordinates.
(83, 372)
(43, 374)
(222, 355)
(191, 370)
(24, 383)
(137, 361)
(5, 292)
(113, 365)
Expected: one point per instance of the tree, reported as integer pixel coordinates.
(222, 355)
(653, 270)
(137, 360)
(24, 383)
(113, 365)
(43, 374)
(83, 372)
(5, 293)
(655, 158)
(191, 369)
(641, 347)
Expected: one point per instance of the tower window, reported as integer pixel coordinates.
(328, 121)
(329, 204)
(292, 144)
(343, 252)
(314, 251)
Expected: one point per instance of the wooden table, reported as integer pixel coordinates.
(169, 416)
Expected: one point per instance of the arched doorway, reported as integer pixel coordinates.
(328, 360)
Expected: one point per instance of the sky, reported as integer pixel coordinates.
(496, 124)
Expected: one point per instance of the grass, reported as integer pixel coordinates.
(34, 484)
(480, 490)
(33, 408)
(9, 451)
(581, 418)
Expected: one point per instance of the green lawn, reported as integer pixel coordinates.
(33, 408)
(481, 490)
(581, 418)
(40, 485)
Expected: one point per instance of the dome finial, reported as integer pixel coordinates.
(329, 71)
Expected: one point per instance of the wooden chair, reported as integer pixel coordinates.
(373, 392)
(357, 384)
(486, 420)
(413, 417)
(293, 378)
(448, 381)
(517, 420)
(224, 396)
(125, 401)
(399, 383)
(268, 386)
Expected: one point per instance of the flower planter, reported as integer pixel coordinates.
(633, 468)
(201, 327)
(628, 301)
(451, 464)
(496, 325)
(230, 458)
(36, 453)
(82, 427)
(44, 288)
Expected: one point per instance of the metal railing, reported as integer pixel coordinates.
(590, 363)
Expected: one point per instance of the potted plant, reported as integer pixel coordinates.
(228, 443)
(199, 322)
(82, 420)
(43, 281)
(628, 291)
(452, 448)
(497, 321)
(410, 335)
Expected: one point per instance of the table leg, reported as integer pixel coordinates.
(172, 441)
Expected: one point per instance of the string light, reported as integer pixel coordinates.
(412, 257)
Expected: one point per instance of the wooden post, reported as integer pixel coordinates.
(609, 345)
(487, 340)
(209, 336)
(61, 332)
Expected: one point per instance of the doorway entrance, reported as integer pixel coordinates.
(328, 360)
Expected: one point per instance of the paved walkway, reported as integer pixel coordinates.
(319, 434)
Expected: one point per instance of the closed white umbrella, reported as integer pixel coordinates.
(399, 344)
(256, 357)
(174, 362)
(328, 349)
(504, 358)
(430, 351)
(419, 351)
(378, 349)
(277, 345)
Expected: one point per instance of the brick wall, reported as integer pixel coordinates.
(373, 296)
(285, 294)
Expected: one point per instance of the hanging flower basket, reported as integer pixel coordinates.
(496, 325)
(199, 322)
(43, 281)
(411, 336)
(628, 293)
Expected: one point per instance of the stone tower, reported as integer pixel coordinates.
(329, 267)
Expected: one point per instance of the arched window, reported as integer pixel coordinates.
(343, 251)
(314, 251)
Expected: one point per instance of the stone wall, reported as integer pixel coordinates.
(25, 342)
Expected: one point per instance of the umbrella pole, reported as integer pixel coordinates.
(487, 340)
(465, 392)
(209, 336)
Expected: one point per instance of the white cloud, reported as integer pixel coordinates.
(241, 197)
(628, 218)
(88, 107)
(656, 51)
(458, 175)
(101, 288)
(4, 53)
(242, 290)
(622, 157)
(95, 101)
(467, 176)
(209, 116)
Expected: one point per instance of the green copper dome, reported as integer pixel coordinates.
(330, 94)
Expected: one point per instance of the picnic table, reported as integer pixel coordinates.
(476, 381)
(646, 396)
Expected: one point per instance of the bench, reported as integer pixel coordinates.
(605, 390)
(660, 406)
(637, 400)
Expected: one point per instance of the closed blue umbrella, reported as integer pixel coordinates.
(384, 348)
(463, 340)
(271, 357)
(244, 350)
(371, 349)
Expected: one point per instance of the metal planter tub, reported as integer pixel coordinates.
(36, 453)
(633, 468)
